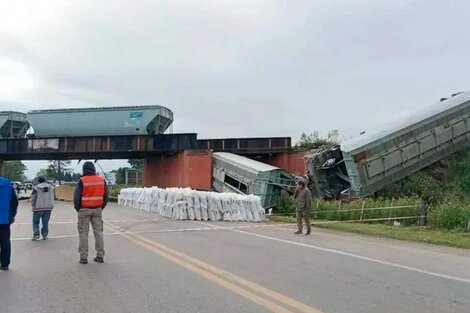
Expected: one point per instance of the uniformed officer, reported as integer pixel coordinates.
(303, 202)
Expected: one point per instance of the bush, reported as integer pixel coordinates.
(452, 215)
(285, 205)
(114, 190)
(420, 184)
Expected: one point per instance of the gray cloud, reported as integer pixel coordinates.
(240, 68)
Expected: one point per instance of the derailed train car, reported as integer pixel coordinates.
(238, 174)
(364, 165)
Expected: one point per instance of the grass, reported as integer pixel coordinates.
(419, 234)
(282, 219)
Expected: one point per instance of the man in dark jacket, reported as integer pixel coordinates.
(90, 199)
(8, 207)
(303, 203)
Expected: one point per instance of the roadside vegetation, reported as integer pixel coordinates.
(447, 223)
(444, 186)
(451, 238)
(114, 191)
(421, 234)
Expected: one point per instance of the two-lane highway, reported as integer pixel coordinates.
(156, 265)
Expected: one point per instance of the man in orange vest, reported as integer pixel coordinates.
(90, 198)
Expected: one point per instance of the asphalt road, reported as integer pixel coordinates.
(156, 265)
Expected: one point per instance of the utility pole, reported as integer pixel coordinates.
(58, 171)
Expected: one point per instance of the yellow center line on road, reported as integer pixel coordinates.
(256, 293)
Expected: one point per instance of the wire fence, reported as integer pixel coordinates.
(133, 178)
(408, 214)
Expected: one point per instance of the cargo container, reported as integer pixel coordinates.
(191, 169)
(13, 124)
(107, 121)
(370, 162)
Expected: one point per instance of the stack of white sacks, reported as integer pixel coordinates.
(188, 204)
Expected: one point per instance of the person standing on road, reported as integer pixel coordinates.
(8, 208)
(42, 200)
(90, 199)
(303, 202)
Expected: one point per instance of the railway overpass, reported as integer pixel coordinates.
(133, 146)
(170, 160)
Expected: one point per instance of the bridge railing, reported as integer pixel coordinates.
(247, 145)
(25, 147)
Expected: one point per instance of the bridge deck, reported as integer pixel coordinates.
(131, 147)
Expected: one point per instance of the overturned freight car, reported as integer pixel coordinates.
(366, 164)
(238, 174)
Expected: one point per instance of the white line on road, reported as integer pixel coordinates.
(161, 231)
(75, 222)
(340, 252)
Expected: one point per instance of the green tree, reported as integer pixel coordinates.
(121, 175)
(136, 164)
(59, 169)
(43, 173)
(14, 170)
(314, 141)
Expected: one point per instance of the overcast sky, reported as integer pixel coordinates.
(237, 68)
